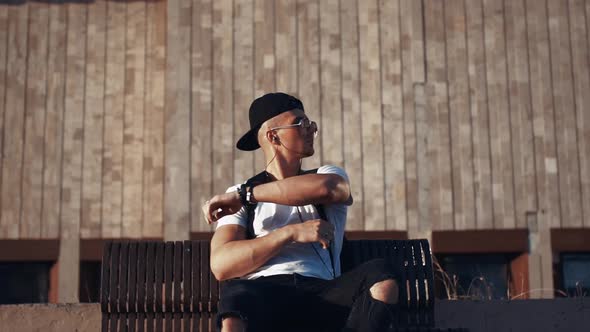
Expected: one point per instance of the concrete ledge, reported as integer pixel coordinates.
(50, 317)
(567, 314)
(561, 314)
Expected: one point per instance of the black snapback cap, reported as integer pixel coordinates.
(262, 109)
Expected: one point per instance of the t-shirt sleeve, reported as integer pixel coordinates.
(238, 218)
(331, 169)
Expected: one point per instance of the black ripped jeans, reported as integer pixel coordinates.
(292, 302)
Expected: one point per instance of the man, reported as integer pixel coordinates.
(282, 271)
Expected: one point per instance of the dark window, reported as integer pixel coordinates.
(89, 281)
(575, 274)
(472, 276)
(24, 282)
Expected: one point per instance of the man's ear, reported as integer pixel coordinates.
(272, 137)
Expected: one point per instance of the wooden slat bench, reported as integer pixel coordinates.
(168, 286)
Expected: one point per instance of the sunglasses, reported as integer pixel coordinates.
(303, 123)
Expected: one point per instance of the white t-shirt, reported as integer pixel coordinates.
(308, 259)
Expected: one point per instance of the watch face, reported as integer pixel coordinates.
(250, 196)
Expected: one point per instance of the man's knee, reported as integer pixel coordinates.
(232, 324)
(385, 291)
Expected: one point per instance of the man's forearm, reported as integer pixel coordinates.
(237, 258)
(304, 190)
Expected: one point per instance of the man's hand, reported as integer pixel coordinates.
(221, 205)
(316, 230)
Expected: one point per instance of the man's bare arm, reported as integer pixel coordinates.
(233, 256)
(295, 191)
(305, 189)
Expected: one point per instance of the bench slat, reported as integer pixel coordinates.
(105, 276)
(168, 279)
(177, 276)
(141, 275)
(204, 290)
(123, 282)
(150, 284)
(186, 321)
(428, 281)
(411, 267)
(168, 276)
(113, 278)
(159, 266)
(114, 320)
(195, 276)
(141, 321)
(159, 269)
(213, 288)
(400, 262)
(186, 284)
(177, 317)
(123, 266)
(159, 321)
(177, 269)
(196, 321)
(132, 286)
(396, 257)
(196, 284)
(114, 282)
(132, 319)
(168, 321)
(403, 263)
(412, 263)
(104, 324)
(132, 283)
(150, 324)
(420, 276)
(105, 285)
(150, 277)
(186, 276)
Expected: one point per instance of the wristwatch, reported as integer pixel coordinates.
(246, 195)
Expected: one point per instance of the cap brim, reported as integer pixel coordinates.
(249, 142)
